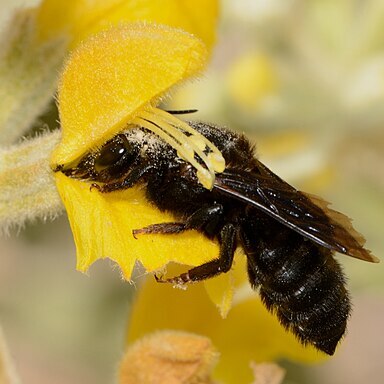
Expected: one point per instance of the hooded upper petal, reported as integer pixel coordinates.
(115, 73)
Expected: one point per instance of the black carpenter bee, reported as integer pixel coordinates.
(289, 237)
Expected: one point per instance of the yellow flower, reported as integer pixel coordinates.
(175, 357)
(112, 81)
(248, 334)
(32, 48)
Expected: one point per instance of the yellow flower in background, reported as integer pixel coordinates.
(82, 18)
(248, 334)
(251, 81)
(175, 357)
(171, 357)
(111, 82)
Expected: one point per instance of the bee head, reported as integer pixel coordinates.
(109, 162)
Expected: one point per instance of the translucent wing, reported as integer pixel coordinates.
(306, 214)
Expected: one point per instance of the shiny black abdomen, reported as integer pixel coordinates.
(299, 281)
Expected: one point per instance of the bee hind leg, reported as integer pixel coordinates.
(214, 267)
(163, 228)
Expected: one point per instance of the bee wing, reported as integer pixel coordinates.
(306, 214)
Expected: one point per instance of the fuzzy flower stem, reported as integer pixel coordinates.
(27, 185)
(28, 75)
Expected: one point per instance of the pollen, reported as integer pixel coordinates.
(190, 145)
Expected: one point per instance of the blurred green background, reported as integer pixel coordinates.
(305, 80)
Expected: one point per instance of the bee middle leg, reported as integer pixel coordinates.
(206, 218)
(214, 267)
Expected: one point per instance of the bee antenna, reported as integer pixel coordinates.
(182, 111)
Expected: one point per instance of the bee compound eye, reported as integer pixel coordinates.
(114, 152)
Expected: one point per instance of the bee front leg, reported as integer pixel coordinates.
(128, 181)
(213, 268)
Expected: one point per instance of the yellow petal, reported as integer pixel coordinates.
(81, 18)
(249, 333)
(102, 226)
(220, 290)
(110, 77)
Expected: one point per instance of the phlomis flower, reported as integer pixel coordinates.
(112, 82)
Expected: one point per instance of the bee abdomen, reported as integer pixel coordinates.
(305, 288)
